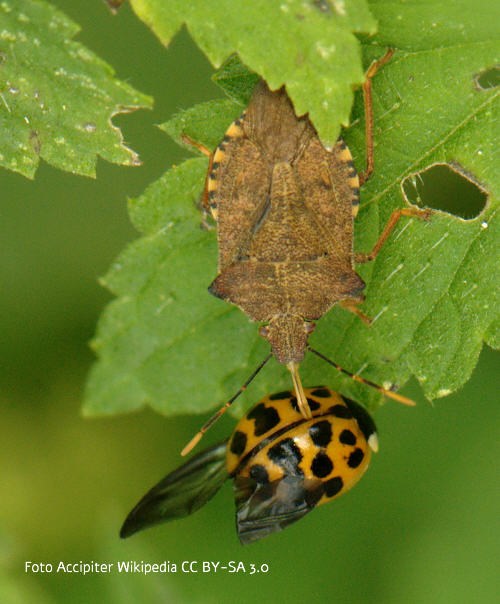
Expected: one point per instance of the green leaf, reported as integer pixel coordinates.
(236, 80)
(211, 118)
(158, 321)
(310, 46)
(433, 291)
(57, 98)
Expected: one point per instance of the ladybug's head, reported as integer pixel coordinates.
(287, 335)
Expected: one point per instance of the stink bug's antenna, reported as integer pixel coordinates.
(357, 378)
(197, 437)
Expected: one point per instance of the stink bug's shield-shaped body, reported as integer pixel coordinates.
(284, 207)
(282, 465)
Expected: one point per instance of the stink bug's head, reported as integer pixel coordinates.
(287, 335)
(282, 465)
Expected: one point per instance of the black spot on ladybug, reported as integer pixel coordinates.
(312, 496)
(313, 405)
(259, 473)
(347, 437)
(321, 465)
(321, 392)
(280, 395)
(238, 443)
(333, 486)
(321, 433)
(215, 165)
(287, 456)
(340, 411)
(355, 458)
(265, 418)
(364, 419)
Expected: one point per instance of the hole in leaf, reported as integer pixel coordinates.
(487, 79)
(446, 187)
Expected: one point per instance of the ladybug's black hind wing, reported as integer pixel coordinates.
(181, 492)
(263, 509)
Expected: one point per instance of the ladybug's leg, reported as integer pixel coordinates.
(367, 97)
(391, 223)
(206, 151)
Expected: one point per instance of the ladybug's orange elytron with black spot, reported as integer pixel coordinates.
(282, 465)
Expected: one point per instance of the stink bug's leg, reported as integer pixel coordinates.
(302, 403)
(352, 307)
(197, 437)
(391, 223)
(206, 151)
(367, 97)
(200, 146)
(357, 378)
(205, 225)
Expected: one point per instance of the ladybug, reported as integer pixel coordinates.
(282, 465)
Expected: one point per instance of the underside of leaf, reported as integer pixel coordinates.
(310, 46)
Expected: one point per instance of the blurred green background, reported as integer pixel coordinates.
(420, 527)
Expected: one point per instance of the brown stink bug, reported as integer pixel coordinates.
(284, 207)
